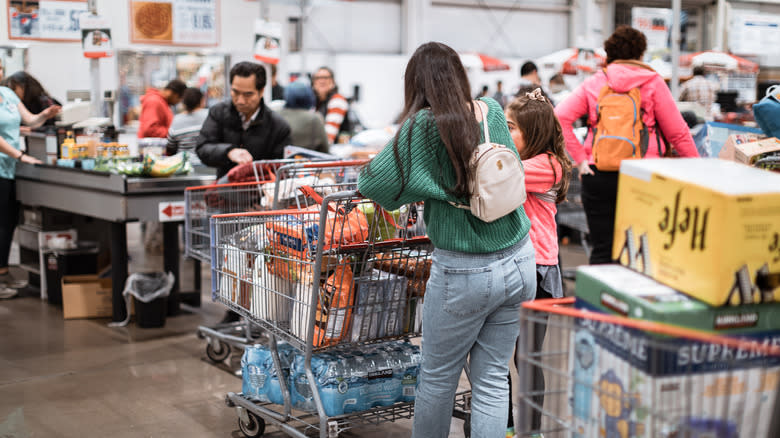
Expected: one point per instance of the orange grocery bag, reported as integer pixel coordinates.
(334, 310)
(344, 225)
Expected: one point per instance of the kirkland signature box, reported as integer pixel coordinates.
(617, 290)
(639, 384)
(706, 227)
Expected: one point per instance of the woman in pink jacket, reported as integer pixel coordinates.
(624, 71)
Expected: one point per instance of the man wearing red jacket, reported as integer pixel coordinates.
(156, 115)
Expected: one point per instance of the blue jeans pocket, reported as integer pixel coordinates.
(526, 267)
(466, 291)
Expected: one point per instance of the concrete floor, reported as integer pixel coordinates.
(80, 378)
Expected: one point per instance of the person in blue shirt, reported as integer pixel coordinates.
(12, 114)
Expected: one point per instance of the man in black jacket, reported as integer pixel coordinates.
(244, 129)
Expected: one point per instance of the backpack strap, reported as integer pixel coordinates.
(549, 196)
(485, 128)
(486, 131)
(668, 151)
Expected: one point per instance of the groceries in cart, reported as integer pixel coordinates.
(357, 379)
(273, 266)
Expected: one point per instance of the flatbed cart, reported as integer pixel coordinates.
(329, 282)
(608, 375)
(274, 179)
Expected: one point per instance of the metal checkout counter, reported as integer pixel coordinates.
(117, 199)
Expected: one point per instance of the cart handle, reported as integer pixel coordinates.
(325, 164)
(267, 213)
(562, 306)
(219, 186)
(388, 242)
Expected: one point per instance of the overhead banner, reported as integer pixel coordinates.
(175, 22)
(96, 36)
(268, 36)
(45, 20)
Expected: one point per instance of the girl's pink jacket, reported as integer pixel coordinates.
(657, 103)
(539, 178)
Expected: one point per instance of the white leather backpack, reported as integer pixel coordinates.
(498, 181)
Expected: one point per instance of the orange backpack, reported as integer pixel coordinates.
(619, 132)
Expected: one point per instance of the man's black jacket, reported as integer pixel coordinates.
(265, 138)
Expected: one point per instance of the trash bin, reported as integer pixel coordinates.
(150, 293)
(61, 262)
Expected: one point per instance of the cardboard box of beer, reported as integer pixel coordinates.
(611, 396)
(657, 386)
(706, 227)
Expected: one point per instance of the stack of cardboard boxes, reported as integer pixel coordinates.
(704, 236)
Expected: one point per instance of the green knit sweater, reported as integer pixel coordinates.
(429, 171)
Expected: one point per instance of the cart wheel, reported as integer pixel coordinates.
(254, 428)
(218, 355)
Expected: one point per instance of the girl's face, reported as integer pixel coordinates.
(515, 132)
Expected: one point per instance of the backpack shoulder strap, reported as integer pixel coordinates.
(485, 128)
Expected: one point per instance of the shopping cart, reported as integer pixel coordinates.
(335, 276)
(612, 376)
(274, 180)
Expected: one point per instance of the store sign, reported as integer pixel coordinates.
(171, 211)
(175, 22)
(96, 36)
(45, 20)
(655, 23)
(755, 35)
(268, 37)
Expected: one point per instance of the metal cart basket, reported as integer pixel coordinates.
(612, 376)
(334, 278)
(202, 202)
(274, 185)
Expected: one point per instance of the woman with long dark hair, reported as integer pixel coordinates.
(481, 271)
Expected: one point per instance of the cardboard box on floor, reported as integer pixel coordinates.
(87, 296)
(708, 228)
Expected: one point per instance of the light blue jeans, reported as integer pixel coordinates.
(471, 309)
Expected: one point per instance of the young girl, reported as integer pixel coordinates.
(539, 140)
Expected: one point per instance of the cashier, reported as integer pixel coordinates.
(12, 114)
(243, 129)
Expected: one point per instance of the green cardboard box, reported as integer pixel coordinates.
(614, 289)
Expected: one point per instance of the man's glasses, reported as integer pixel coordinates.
(319, 78)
